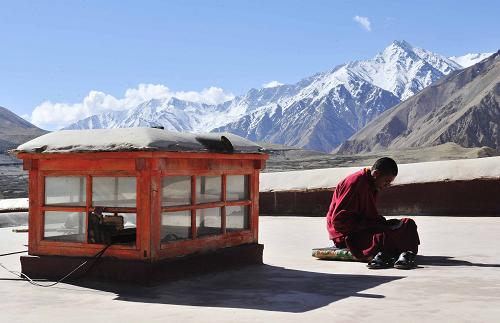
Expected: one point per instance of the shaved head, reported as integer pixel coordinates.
(386, 166)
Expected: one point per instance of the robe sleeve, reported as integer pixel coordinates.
(350, 214)
(347, 221)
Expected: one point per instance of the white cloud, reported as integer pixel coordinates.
(363, 21)
(49, 115)
(212, 95)
(271, 84)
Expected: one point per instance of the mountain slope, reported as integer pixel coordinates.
(336, 104)
(14, 130)
(462, 108)
(318, 112)
(178, 115)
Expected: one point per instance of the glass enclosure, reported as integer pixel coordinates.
(101, 209)
(221, 205)
(112, 213)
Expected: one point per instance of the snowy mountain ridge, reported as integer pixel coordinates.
(469, 59)
(318, 112)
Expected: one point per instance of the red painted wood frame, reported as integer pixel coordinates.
(148, 168)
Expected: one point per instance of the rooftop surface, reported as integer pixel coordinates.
(458, 280)
(135, 139)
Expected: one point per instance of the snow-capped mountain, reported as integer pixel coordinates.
(173, 114)
(463, 108)
(179, 115)
(333, 105)
(318, 112)
(402, 69)
(469, 59)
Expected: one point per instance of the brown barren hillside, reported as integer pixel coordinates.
(462, 108)
(14, 130)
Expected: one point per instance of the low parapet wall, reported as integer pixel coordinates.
(456, 187)
(479, 197)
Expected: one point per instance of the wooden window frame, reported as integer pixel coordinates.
(85, 209)
(193, 206)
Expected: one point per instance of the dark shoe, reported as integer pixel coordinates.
(381, 260)
(406, 260)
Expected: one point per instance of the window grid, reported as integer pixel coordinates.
(221, 204)
(88, 207)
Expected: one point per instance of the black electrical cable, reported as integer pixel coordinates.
(13, 253)
(96, 257)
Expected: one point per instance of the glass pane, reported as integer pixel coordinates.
(115, 228)
(64, 226)
(236, 218)
(176, 190)
(65, 190)
(114, 191)
(208, 189)
(175, 226)
(237, 187)
(208, 221)
(129, 220)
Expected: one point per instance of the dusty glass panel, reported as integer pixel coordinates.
(64, 226)
(65, 190)
(237, 187)
(237, 218)
(129, 219)
(114, 191)
(175, 226)
(176, 190)
(208, 189)
(208, 221)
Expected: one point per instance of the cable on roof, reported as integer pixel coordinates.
(23, 276)
(13, 253)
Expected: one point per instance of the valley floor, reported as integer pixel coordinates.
(13, 181)
(283, 158)
(458, 280)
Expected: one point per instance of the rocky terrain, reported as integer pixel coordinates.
(283, 158)
(13, 182)
(462, 108)
(13, 179)
(14, 130)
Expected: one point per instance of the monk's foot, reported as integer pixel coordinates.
(381, 260)
(406, 260)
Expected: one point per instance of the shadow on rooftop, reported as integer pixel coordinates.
(450, 261)
(264, 287)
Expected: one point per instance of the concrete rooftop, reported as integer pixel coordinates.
(458, 281)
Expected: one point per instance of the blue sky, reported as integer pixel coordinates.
(60, 51)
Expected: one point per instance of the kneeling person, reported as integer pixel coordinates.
(354, 223)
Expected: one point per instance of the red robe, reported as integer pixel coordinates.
(353, 220)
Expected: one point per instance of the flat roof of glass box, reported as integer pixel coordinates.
(136, 139)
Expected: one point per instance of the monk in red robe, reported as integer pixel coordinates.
(354, 223)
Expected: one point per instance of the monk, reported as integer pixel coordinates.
(354, 223)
